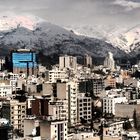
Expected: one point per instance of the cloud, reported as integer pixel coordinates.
(70, 12)
(127, 4)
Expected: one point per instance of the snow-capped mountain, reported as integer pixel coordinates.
(34, 33)
(125, 38)
(9, 23)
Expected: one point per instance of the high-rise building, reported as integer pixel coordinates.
(15, 112)
(72, 88)
(88, 61)
(2, 62)
(95, 86)
(109, 61)
(24, 61)
(68, 91)
(84, 107)
(67, 62)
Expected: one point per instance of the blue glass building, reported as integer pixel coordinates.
(24, 60)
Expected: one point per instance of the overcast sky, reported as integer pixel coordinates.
(69, 12)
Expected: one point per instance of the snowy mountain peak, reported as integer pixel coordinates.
(125, 38)
(12, 22)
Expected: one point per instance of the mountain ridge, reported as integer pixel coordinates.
(125, 38)
(52, 39)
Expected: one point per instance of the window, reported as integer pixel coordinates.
(23, 111)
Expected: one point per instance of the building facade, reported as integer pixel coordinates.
(109, 103)
(69, 62)
(24, 61)
(84, 107)
(49, 129)
(109, 61)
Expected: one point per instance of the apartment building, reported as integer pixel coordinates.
(88, 61)
(17, 114)
(109, 61)
(110, 81)
(59, 109)
(95, 85)
(68, 91)
(69, 62)
(5, 90)
(72, 89)
(84, 107)
(116, 128)
(49, 129)
(57, 74)
(109, 103)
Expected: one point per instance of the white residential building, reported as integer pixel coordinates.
(13, 84)
(72, 88)
(110, 101)
(57, 74)
(69, 62)
(83, 72)
(109, 61)
(2, 62)
(13, 76)
(5, 90)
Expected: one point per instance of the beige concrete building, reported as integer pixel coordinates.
(110, 81)
(69, 91)
(47, 89)
(57, 74)
(49, 129)
(67, 62)
(17, 114)
(58, 109)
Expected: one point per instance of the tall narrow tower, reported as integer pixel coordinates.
(109, 61)
(88, 61)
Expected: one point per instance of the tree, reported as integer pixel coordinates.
(127, 124)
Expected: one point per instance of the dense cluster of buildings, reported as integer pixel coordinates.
(68, 102)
